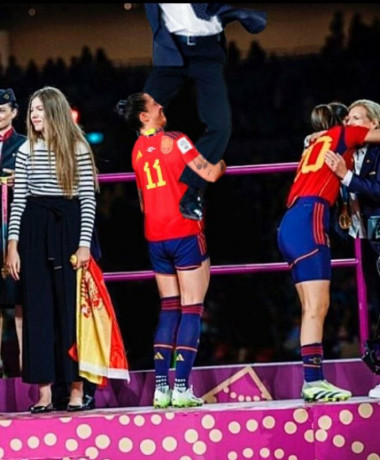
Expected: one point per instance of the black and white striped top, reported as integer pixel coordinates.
(38, 177)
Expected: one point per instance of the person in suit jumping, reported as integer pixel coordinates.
(189, 43)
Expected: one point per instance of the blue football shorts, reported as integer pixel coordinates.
(303, 239)
(185, 253)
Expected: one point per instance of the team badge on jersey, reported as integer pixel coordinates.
(166, 144)
(184, 145)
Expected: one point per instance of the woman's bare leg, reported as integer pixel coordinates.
(76, 394)
(315, 299)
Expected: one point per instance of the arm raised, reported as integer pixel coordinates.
(373, 136)
(206, 170)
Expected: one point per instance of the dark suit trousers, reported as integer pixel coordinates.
(204, 63)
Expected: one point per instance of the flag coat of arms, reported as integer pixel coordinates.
(99, 348)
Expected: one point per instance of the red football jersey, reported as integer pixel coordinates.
(314, 177)
(158, 161)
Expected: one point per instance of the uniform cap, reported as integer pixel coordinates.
(6, 96)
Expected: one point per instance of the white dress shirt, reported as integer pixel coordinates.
(180, 19)
(357, 229)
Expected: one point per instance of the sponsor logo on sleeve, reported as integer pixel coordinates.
(184, 145)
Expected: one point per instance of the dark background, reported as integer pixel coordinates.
(248, 318)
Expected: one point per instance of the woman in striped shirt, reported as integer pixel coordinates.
(52, 217)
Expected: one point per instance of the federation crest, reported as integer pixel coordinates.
(166, 144)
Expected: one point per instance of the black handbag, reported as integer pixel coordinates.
(371, 355)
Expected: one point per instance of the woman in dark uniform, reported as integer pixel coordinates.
(10, 141)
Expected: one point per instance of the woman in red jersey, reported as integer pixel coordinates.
(177, 246)
(303, 238)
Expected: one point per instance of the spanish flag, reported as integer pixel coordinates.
(99, 349)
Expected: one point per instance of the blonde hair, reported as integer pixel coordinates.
(372, 108)
(62, 136)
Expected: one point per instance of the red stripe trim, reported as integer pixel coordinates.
(180, 347)
(318, 232)
(171, 303)
(202, 243)
(317, 220)
(170, 307)
(321, 233)
(304, 257)
(315, 223)
(313, 351)
(188, 267)
(192, 309)
(170, 299)
(173, 134)
(163, 345)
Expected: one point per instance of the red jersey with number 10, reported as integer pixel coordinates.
(314, 177)
(158, 161)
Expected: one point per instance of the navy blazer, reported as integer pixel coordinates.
(9, 150)
(165, 50)
(367, 184)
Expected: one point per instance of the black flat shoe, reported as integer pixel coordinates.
(41, 409)
(87, 404)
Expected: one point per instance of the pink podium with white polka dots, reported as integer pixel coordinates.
(287, 430)
(242, 418)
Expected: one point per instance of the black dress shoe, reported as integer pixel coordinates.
(41, 409)
(88, 403)
(191, 204)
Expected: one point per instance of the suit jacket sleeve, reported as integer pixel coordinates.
(367, 183)
(165, 50)
(253, 21)
(366, 186)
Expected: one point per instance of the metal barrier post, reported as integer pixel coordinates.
(362, 295)
(252, 268)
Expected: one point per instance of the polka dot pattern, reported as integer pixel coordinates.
(266, 430)
(248, 453)
(84, 431)
(33, 442)
(169, 444)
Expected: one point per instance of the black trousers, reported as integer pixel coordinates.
(49, 235)
(204, 64)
